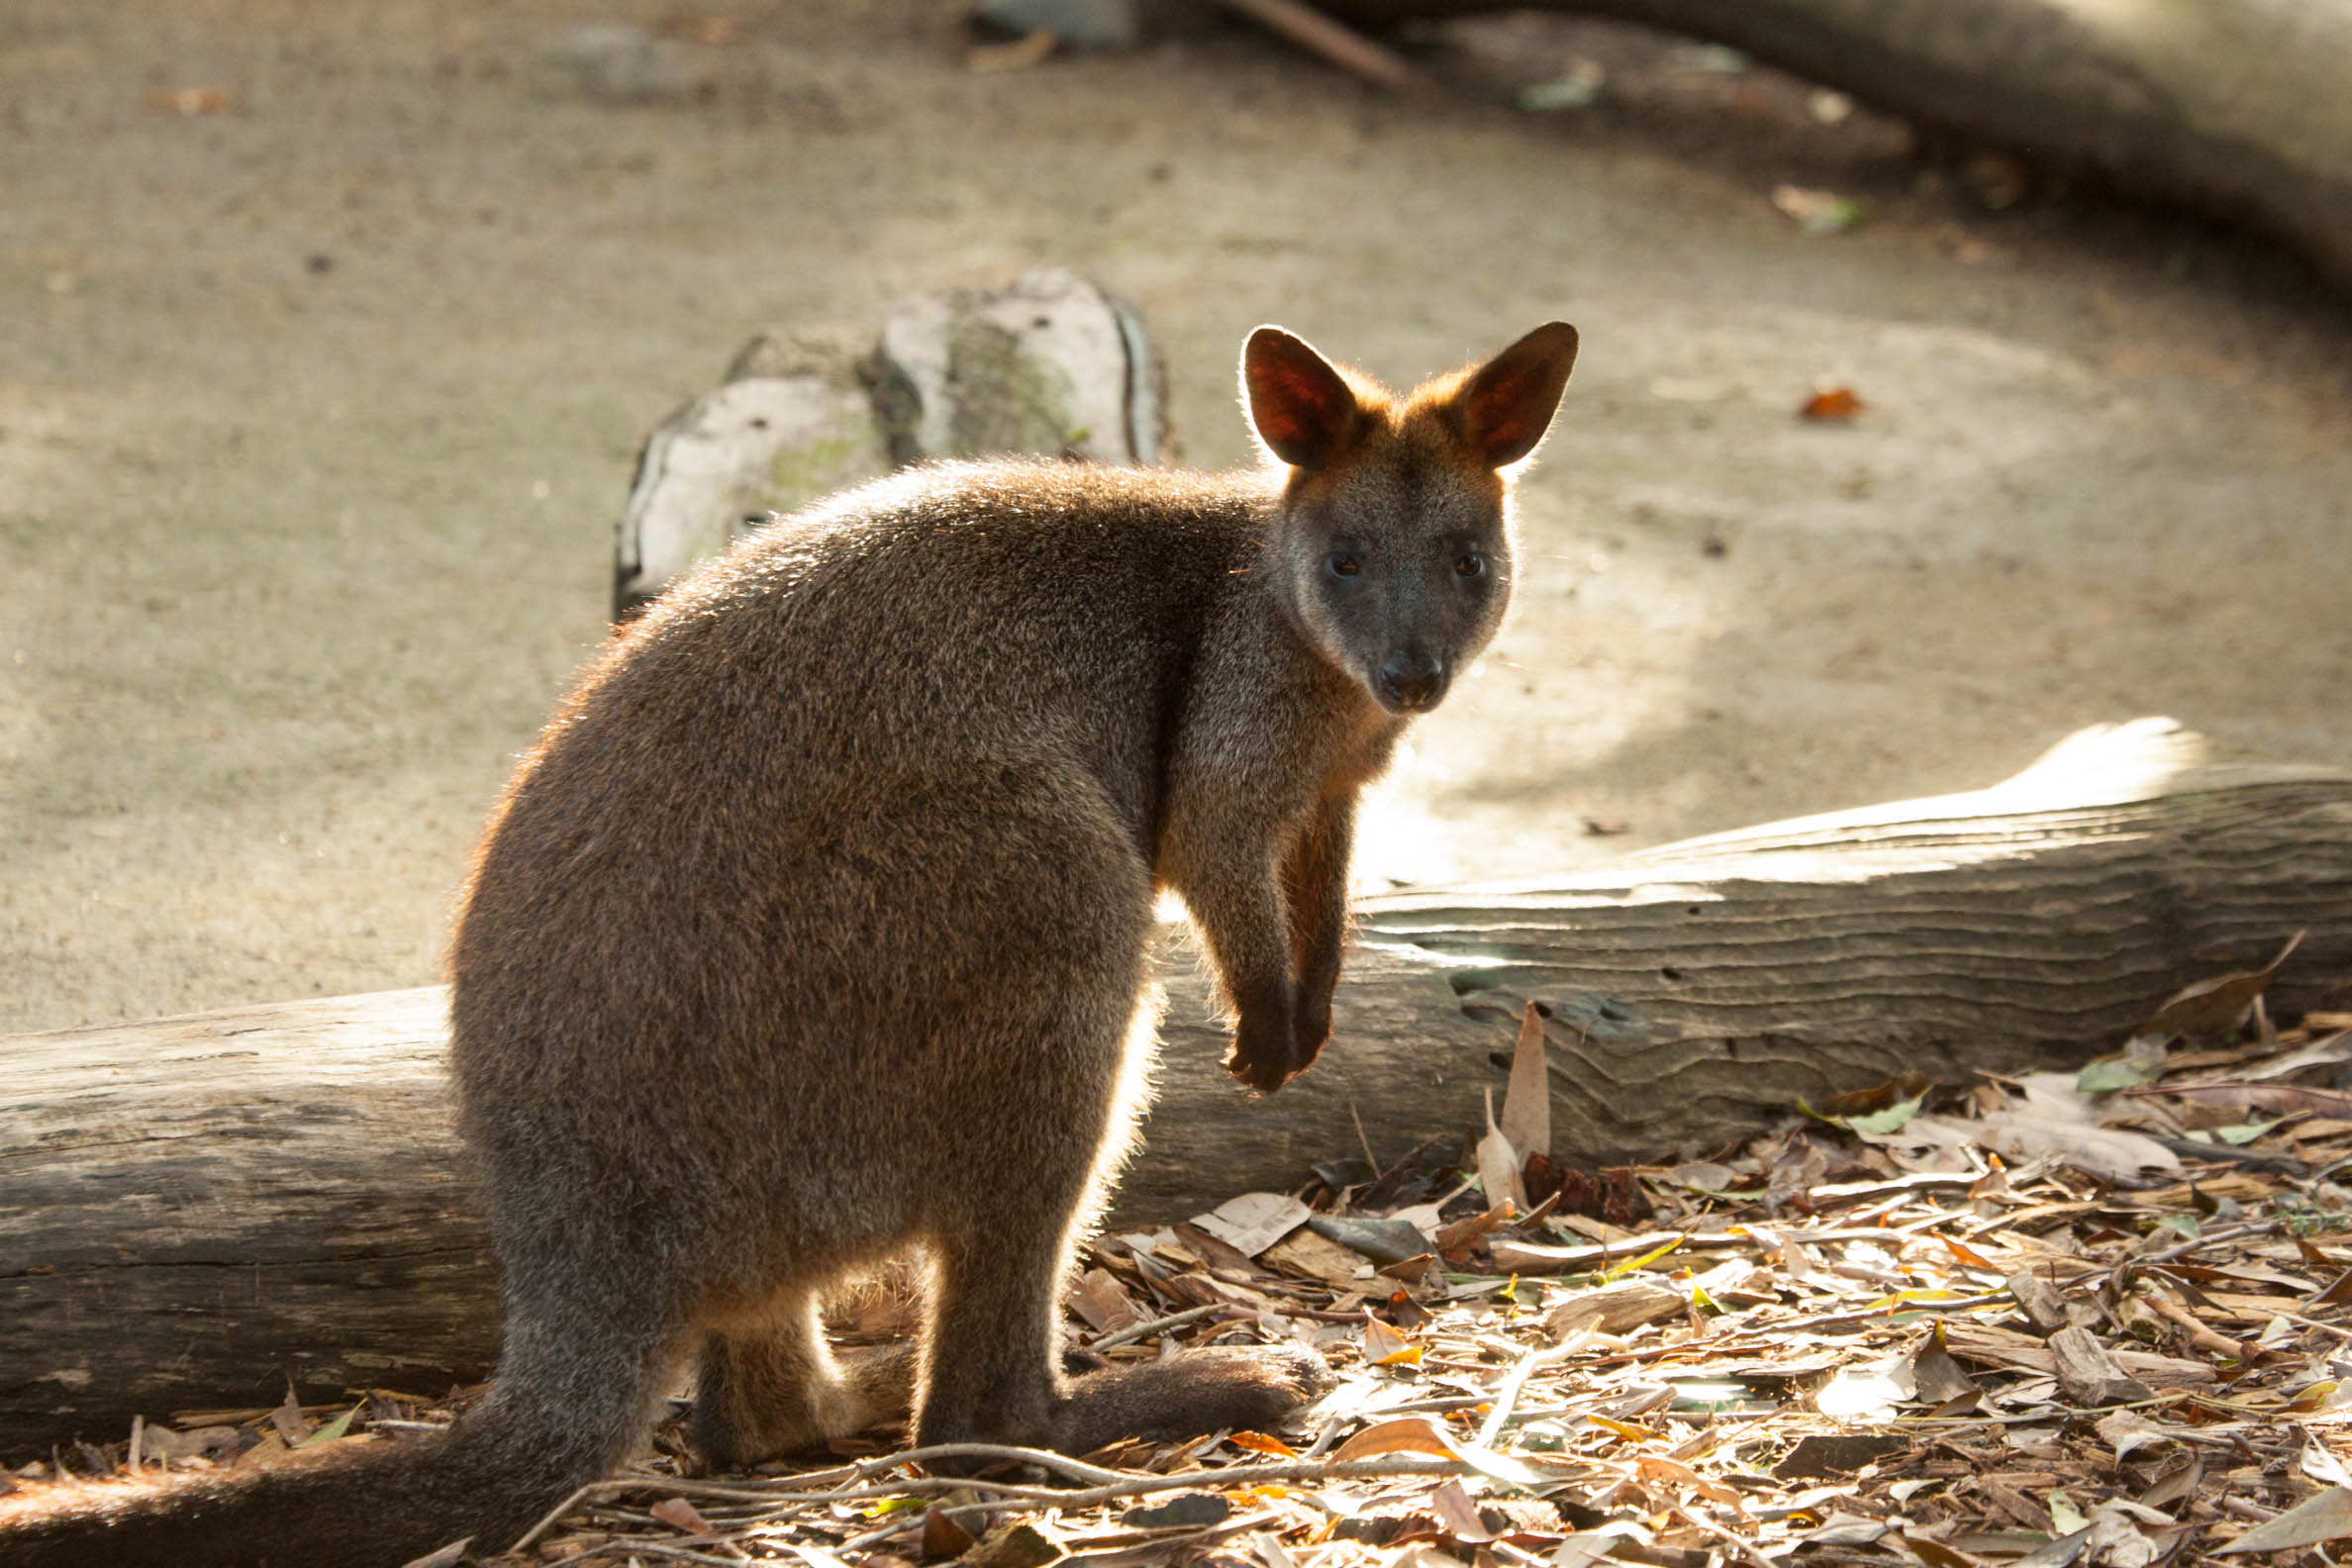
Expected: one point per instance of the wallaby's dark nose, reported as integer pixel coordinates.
(1411, 680)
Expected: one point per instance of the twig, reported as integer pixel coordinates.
(1343, 45)
(2049, 1413)
(2209, 1238)
(1129, 1486)
(2313, 1322)
(1251, 1475)
(1735, 1337)
(1743, 1548)
(1371, 1159)
(1506, 1394)
(827, 1485)
(1144, 1330)
(634, 1544)
(1112, 1483)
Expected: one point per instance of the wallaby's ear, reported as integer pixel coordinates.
(1304, 410)
(1507, 403)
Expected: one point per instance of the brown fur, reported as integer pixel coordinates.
(812, 932)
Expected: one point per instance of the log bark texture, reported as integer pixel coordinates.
(194, 1211)
(2232, 107)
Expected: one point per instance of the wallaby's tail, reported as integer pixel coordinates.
(577, 1385)
(585, 1357)
(350, 1505)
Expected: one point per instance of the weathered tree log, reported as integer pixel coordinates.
(2232, 107)
(195, 1209)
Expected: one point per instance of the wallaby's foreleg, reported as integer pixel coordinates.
(1315, 887)
(767, 1385)
(1226, 870)
(1241, 919)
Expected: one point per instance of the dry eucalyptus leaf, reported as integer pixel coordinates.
(1527, 1103)
(1499, 1164)
(680, 1514)
(2325, 1517)
(2213, 1008)
(1405, 1434)
(2100, 1151)
(1310, 1256)
(1103, 1302)
(1936, 1376)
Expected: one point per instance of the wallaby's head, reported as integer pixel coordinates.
(1394, 549)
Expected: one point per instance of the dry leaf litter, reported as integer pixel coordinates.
(2097, 1318)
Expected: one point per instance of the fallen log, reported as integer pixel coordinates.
(2231, 106)
(197, 1210)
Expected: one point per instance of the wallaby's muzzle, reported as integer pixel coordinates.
(1411, 680)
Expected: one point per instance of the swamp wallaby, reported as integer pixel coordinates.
(812, 932)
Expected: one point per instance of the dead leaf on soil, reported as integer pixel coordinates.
(1833, 404)
(1405, 1434)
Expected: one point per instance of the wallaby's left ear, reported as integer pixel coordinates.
(1507, 403)
(1304, 410)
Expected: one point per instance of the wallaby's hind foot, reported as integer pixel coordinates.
(1202, 1391)
(771, 1388)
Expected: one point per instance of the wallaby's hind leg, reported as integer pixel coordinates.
(994, 1369)
(991, 1351)
(1058, 1006)
(991, 1371)
(768, 1385)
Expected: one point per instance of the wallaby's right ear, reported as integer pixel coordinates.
(1507, 403)
(1303, 409)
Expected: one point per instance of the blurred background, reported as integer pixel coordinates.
(328, 334)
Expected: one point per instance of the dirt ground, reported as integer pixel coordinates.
(316, 412)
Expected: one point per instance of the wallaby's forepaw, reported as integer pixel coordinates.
(1264, 1053)
(1311, 1033)
(1202, 1391)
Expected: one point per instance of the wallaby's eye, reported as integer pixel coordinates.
(1342, 564)
(1469, 564)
